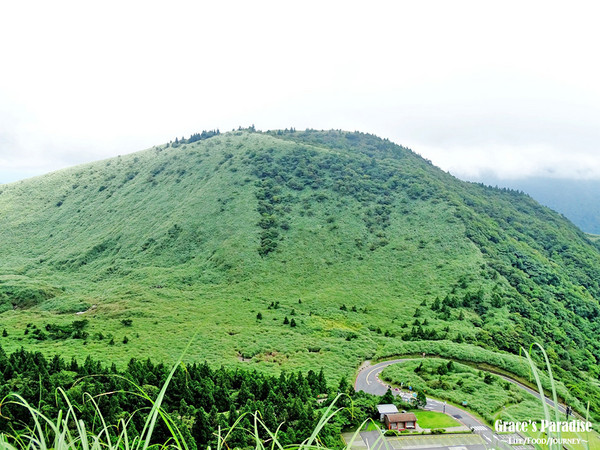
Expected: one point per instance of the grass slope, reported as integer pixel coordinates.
(360, 241)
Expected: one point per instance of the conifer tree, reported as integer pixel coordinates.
(233, 416)
(203, 426)
(388, 397)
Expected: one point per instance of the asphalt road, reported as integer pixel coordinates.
(368, 381)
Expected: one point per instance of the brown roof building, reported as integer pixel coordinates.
(400, 421)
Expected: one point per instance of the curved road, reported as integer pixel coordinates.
(368, 381)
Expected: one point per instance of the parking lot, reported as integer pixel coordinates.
(455, 441)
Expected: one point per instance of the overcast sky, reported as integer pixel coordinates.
(504, 88)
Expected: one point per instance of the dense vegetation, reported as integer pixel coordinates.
(291, 250)
(199, 399)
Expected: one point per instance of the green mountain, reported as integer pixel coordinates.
(292, 250)
(576, 199)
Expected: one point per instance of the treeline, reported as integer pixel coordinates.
(199, 399)
(206, 134)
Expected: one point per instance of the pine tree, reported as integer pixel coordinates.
(244, 395)
(213, 418)
(125, 340)
(292, 323)
(233, 415)
(322, 382)
(286, 321)
(269, 417)
(4, 333)
(201, 430)
(388, 397)
(57, 364)
(344, 388)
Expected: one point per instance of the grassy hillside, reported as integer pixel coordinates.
(290, 250)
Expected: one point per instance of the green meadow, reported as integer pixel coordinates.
(432, 420)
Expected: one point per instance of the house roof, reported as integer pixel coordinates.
(401, 417)
(387, 409)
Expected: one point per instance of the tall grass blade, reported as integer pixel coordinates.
(327, 415)
(554, 396)
(587, 433)
(536, 375)
(4, 445)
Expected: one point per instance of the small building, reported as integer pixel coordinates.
(386, 409)
(400, 421)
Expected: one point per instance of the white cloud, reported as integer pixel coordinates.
(514, 162)
(451, 79)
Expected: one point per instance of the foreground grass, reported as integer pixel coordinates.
(68, 432)
(589, 440)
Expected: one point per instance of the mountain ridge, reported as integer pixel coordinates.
(574, 198)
